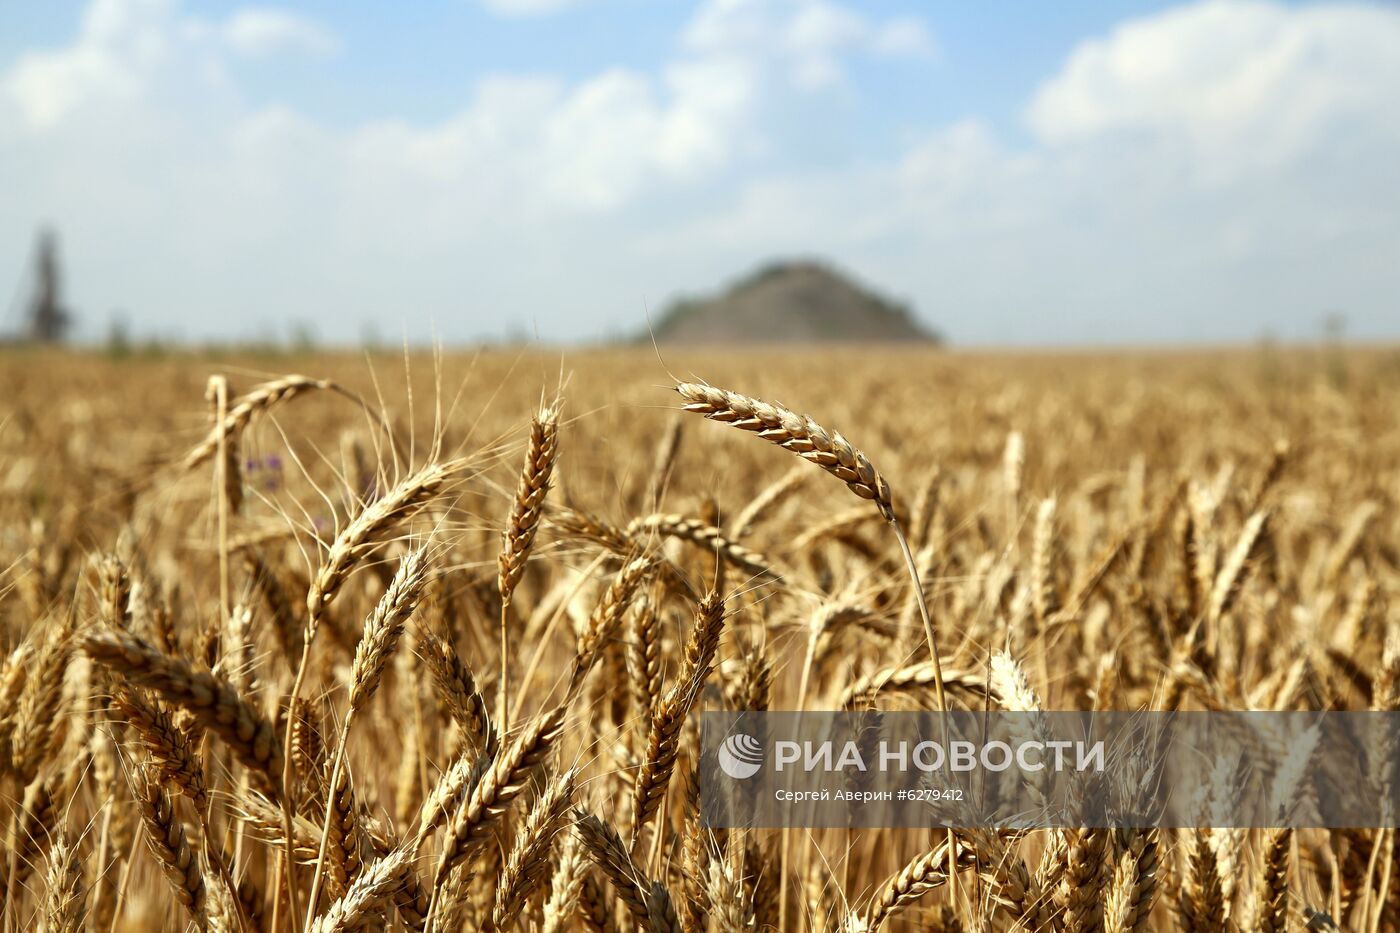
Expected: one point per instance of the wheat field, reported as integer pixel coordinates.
(412, 642)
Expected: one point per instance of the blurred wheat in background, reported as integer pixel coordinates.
(421, 645)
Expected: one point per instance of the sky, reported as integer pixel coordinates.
(1019, 173)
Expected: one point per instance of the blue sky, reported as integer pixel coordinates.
(418, 66)
(1021, 173)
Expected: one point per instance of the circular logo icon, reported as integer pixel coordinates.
(740, 756)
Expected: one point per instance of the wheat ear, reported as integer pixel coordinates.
(458, 690)
(286, 627)
(1044, 598)
(171, 749)
(526, 509)
(704, 536)
(914, 678)
(165, 837)
(12, 684)
(456, 781)
(1231, 577)
(638, 892)
(828, 450)
(606, 617)
(213, 701)
(913, 881)
(496, 791)
(763, 504)
(644, 663)
(1082, 882)
(368, 529)
(35, 719)
(1271, 893)
(528, 861)
(64, 907)
(566, 887)
(381, 635)
(1119, 907)
(663, 737)
(793, 432)
(371, 893)
(1135, 882)
(528, 505)
(1201, 903)
(667, 447)
(258, 401)
(364, 532)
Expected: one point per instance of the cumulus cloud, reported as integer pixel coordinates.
(1201, 173)
(117, 42)
(148, 56)
(809, 40)
(262, 31)
(1241, 85)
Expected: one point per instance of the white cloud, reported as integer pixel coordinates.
(528, 7)
(599, 144)
(117, 42)
(906, 37)
(259, 31)
(809, 40)
(1240, 85)
(146, 55)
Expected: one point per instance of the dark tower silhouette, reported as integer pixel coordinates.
(48, 320)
